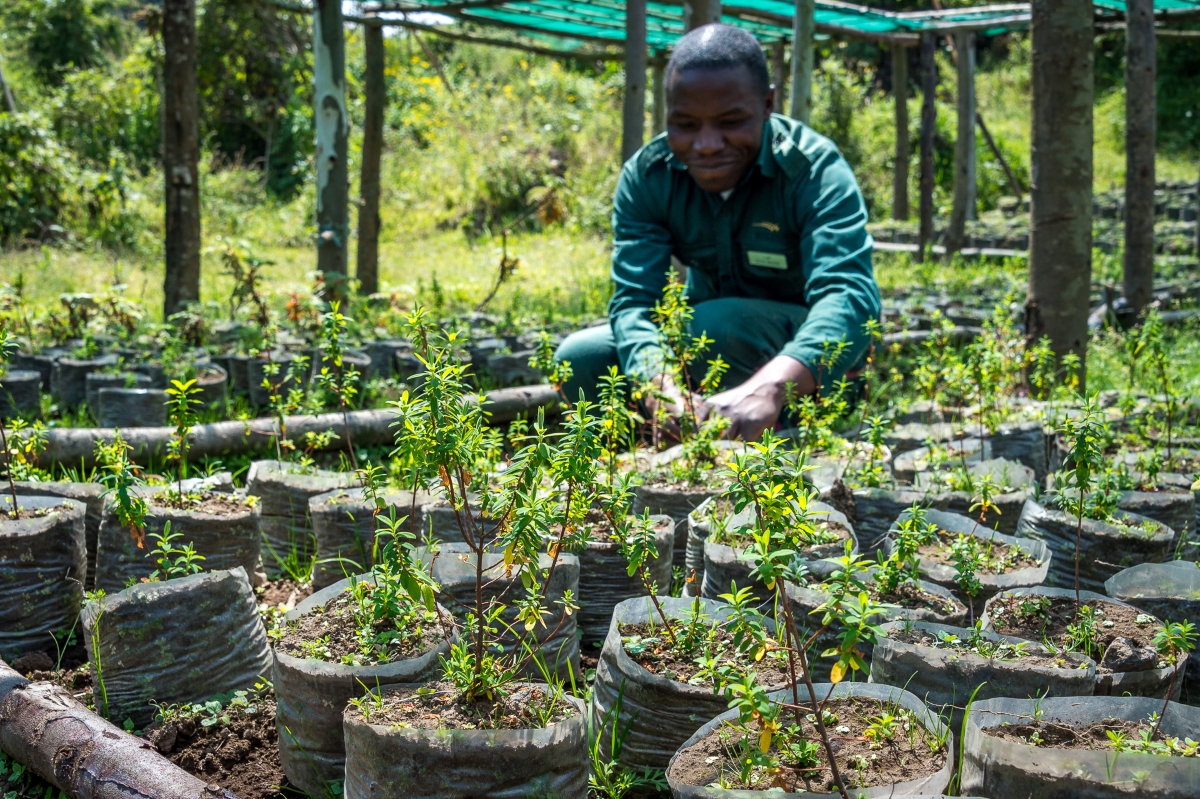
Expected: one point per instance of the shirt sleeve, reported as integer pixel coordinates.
(640, 263)
(835, 248)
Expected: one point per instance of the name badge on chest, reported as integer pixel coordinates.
(768, 260)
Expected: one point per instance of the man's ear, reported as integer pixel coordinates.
(770, 101)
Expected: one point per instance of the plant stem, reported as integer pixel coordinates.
(793, 641)
(12, 486)
(661, 614)
(820, 723)
(1167, 700)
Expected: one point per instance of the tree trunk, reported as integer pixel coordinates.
(964, 146)
(633, 117)
(803, 30)
(329, 96)
(658, 119)
(700, 12)
(779, 74)
(45, 728)
(928, 127)
(1060, 230)
(372, 150)
(10, 104)
(181, 156)
(900, 93)
(1139, 152)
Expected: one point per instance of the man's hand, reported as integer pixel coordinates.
(670, 398)
(756, 404)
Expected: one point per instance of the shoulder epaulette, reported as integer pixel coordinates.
(655, 152)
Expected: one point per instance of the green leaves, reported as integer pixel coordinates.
(121, 476)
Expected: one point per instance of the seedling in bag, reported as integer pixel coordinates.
(181, 406)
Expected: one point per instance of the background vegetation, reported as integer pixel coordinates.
(474, 135)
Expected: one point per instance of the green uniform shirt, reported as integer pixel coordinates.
(793, 230)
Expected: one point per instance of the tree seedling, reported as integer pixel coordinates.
(335, 377)
(181, 407)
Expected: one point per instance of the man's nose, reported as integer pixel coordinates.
(709, 140)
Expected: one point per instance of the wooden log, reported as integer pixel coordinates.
(633, 116)
(700, 12)
(803, 30)
(181, 156)
(928, 128)
(779, 74)
(658, 119)
(900, 95)
(73, 446)
(375, 100)
(50, 732)
(1060, 227)
(330, 122)
(964, 145)
(1139, 153)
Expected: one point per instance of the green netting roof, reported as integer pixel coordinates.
(769, 20)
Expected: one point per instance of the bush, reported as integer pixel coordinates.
(44, 191)
(59, 36)
(254, 78)
(102, 114)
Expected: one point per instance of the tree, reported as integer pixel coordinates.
(181, 156)
(1060, 234)
(1140, 139)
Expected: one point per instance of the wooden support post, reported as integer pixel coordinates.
(1060, 229)
(928, 127)
(375, 100)
(964, 145)
(1140, 101)
(900, 94)
(700, 12)
(779, 74)
(329, 99)
(181, 157)
(633, 117)
(803, 30)
(658, 121)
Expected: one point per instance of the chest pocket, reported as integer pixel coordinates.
(769, 254)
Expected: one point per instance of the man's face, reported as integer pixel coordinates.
(715, 121)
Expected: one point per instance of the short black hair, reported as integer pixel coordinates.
(720, 46)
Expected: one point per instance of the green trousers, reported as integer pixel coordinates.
(746, 333)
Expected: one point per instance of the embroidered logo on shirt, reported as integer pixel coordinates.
(770, 260)
(771, 226)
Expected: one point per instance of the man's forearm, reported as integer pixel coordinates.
(781, 370)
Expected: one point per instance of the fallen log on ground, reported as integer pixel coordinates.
(75, 446)
(957, 336)
(45, 728)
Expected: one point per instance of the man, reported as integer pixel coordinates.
(767, 218)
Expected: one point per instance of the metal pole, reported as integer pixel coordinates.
(803, 30)
(900, 94)
(633, 117)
